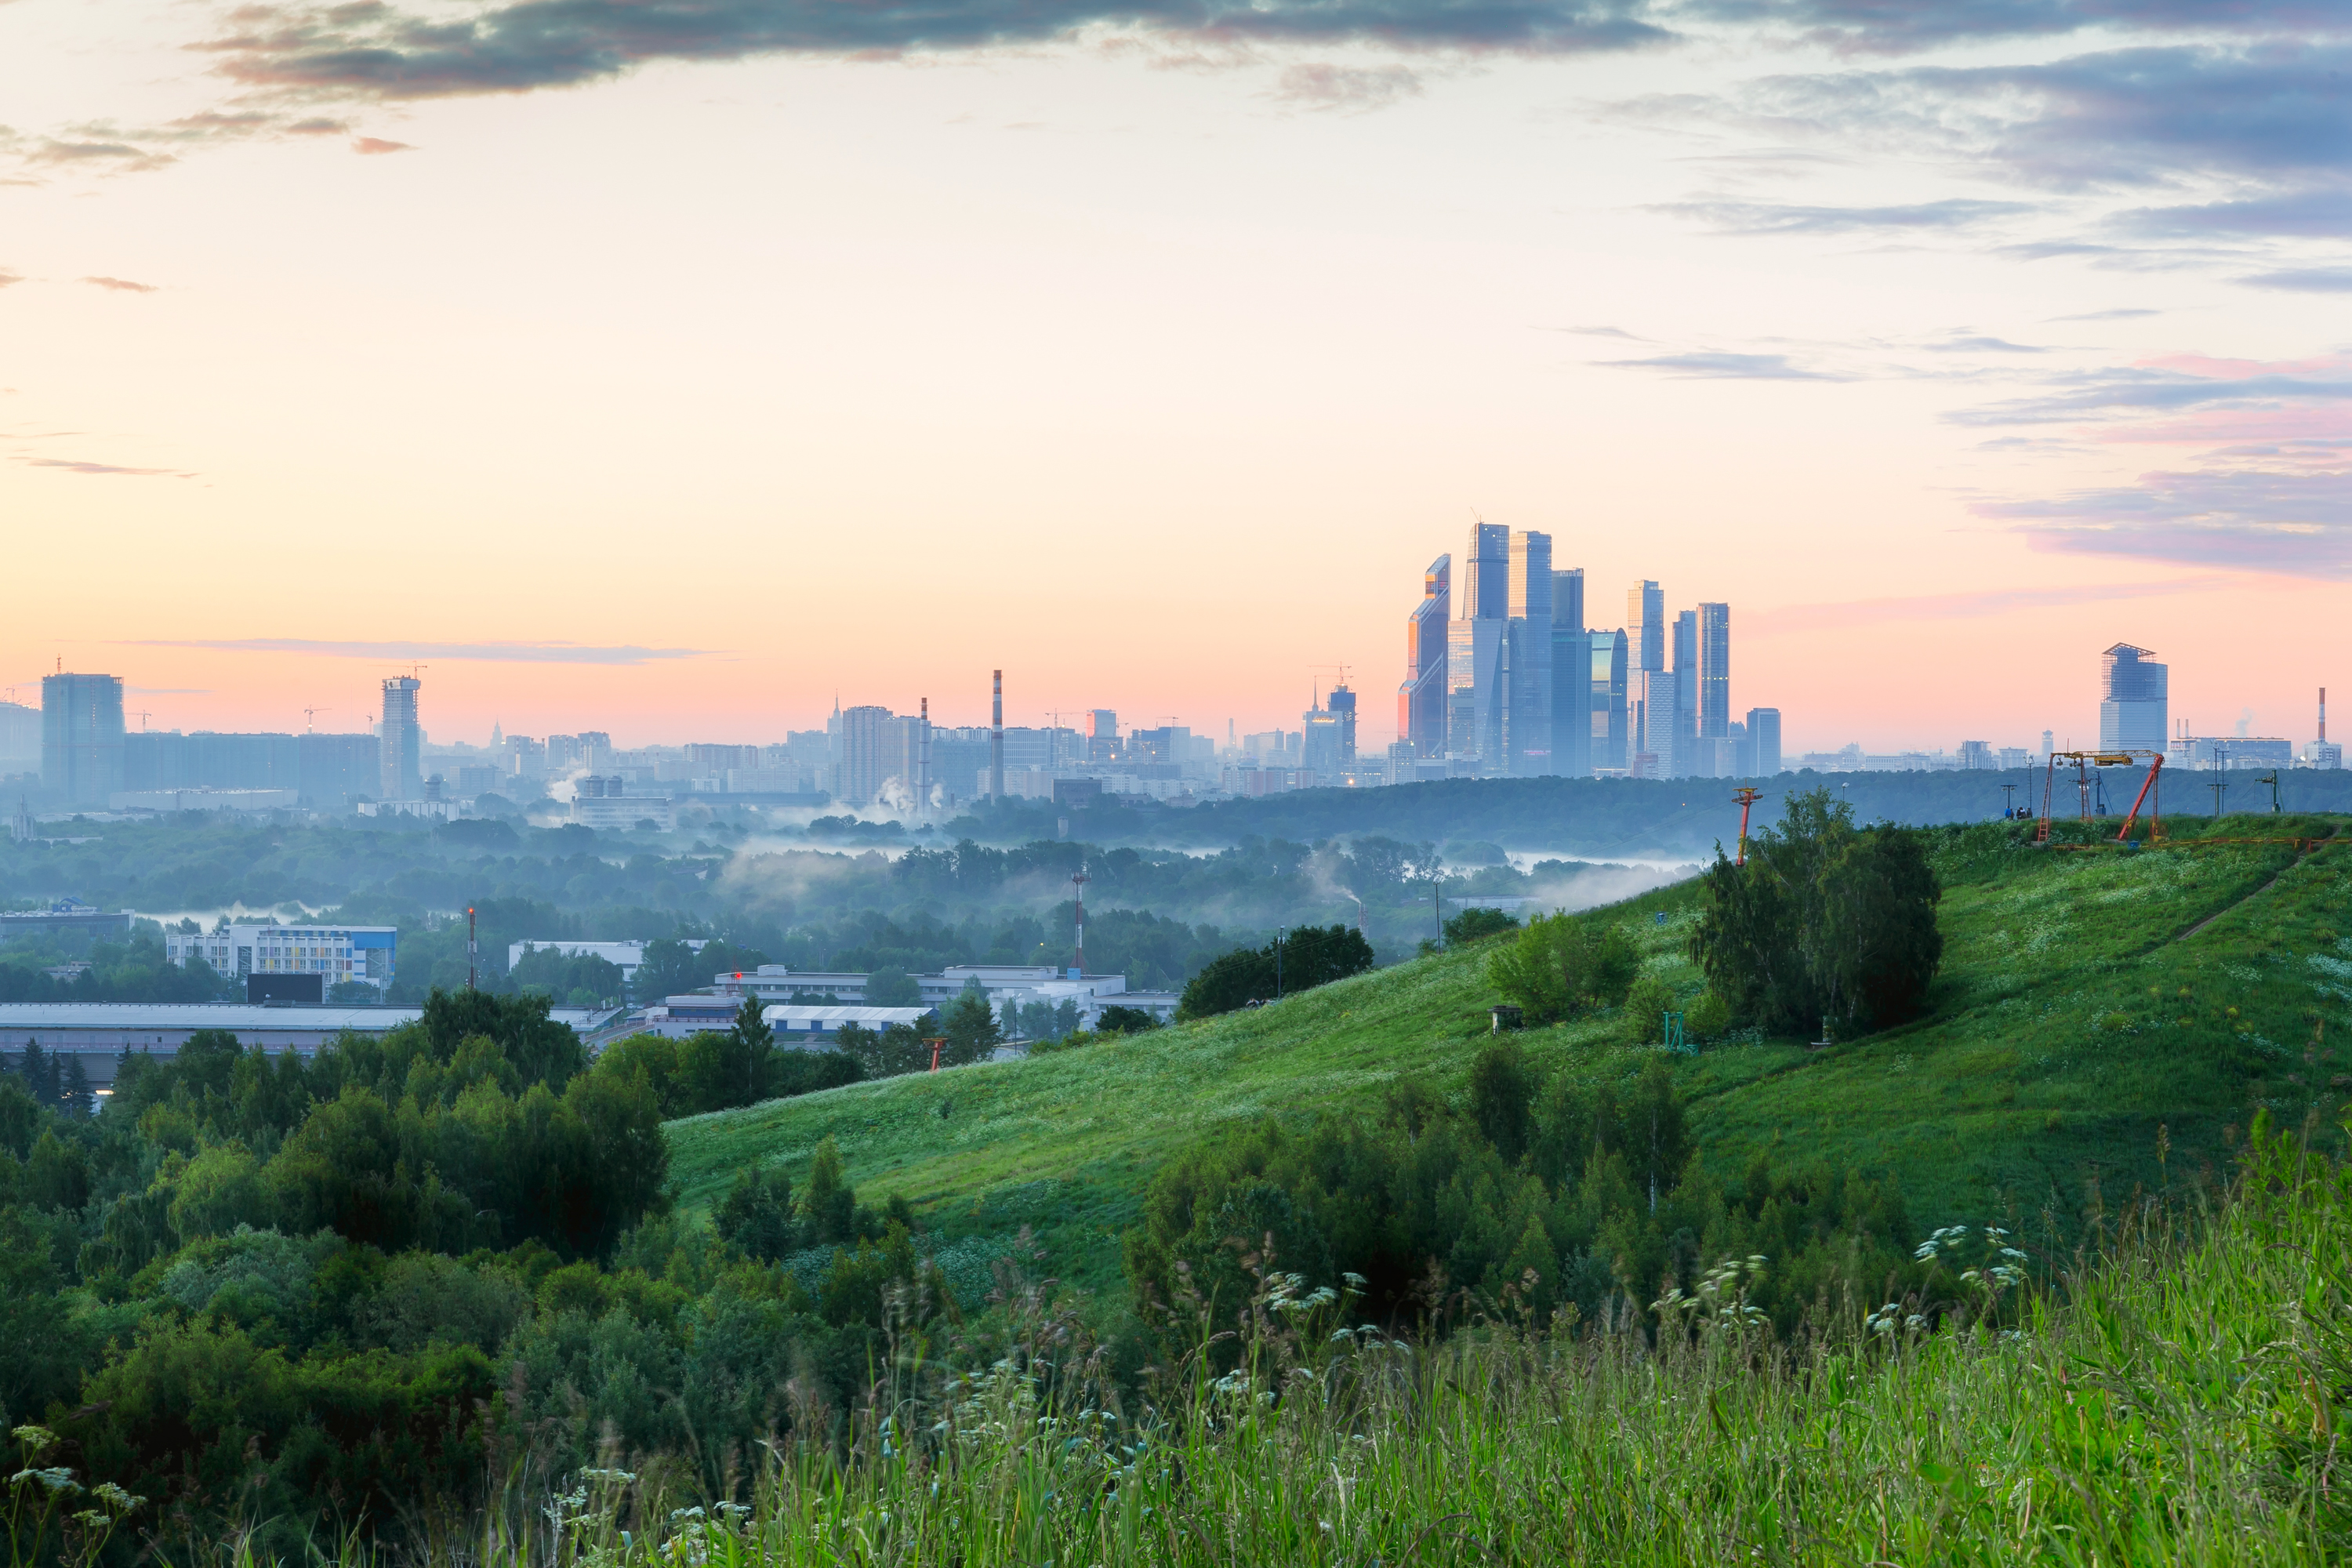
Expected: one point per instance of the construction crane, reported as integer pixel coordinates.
(144, 716)
(2086, 777)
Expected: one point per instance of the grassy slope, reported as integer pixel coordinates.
(2061, 1040)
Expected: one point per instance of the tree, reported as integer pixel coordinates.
(892, 988)
(73, 1095)
(1117, 1020)
(1827, 924)
(757, 1215)
(970, 1025)
(751, 1053)
(1475, 925)
(1560, 965)
(1306, 957)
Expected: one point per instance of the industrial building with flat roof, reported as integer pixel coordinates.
(101, 1032)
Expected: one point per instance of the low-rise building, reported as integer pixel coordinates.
(335, 953)
(602, 802)
(627, 956)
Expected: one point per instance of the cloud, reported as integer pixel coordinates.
(2179, 385)
(7, 278)
(2321, 213)
(2304, 280)
(109, 156)
(1873, 26)
(2127, 313)
(1349, 88)
(2270, 113)
(1775, 217)
(375, 146)
(2253, 519)
(1794, 618)
(371, 49)
(1983, 346)
(1718, 366)
(120, 285)
(72, 466)
(486, 652)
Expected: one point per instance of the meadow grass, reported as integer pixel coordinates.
(2183, 1401)
(2082, 1046)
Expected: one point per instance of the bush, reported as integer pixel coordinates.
(1646, 1004)
(1560, 966)
(1708, 1019)
(1117, 1020)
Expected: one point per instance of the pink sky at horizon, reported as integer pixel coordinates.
(1156, 387)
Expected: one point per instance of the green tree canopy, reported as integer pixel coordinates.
(1826, 925)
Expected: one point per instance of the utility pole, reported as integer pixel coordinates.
(1277, 963)
(2008, 801)
(473, 953)
(2271, 779)
(1079, 881)
(1747, 796)
(2220, 784)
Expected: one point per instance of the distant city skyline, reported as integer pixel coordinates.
(668, 388)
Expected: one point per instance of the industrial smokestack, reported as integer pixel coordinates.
(923, 763)
(996, 742)
(2323, 714)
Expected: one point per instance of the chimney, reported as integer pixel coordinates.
(996, 742)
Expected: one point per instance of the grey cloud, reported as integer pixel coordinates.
(1776, 217)
(369, 48)
(2304, 280)
(2325, 214)
(2272, 113)
(1714, 366)
(2125, 392)
(1870, 26)
(2251, 519)
(490, 652)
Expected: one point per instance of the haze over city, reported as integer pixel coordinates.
(669, 377)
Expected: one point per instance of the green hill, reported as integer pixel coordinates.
(2091, 1000)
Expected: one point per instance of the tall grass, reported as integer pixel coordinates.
(2184, 1400)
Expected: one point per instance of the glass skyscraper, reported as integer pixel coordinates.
(2132, 700)
(1421, 699)
(1714, 671)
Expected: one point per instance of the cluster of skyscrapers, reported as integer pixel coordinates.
(1504, 677)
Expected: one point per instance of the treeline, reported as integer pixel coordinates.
(1542, 1194)
(313, 1297)
(132, 970)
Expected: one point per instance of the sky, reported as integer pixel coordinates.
(676, 367)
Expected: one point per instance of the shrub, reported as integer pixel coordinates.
(1707, 1017)
(1117, 1020)
(1646, 1005)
